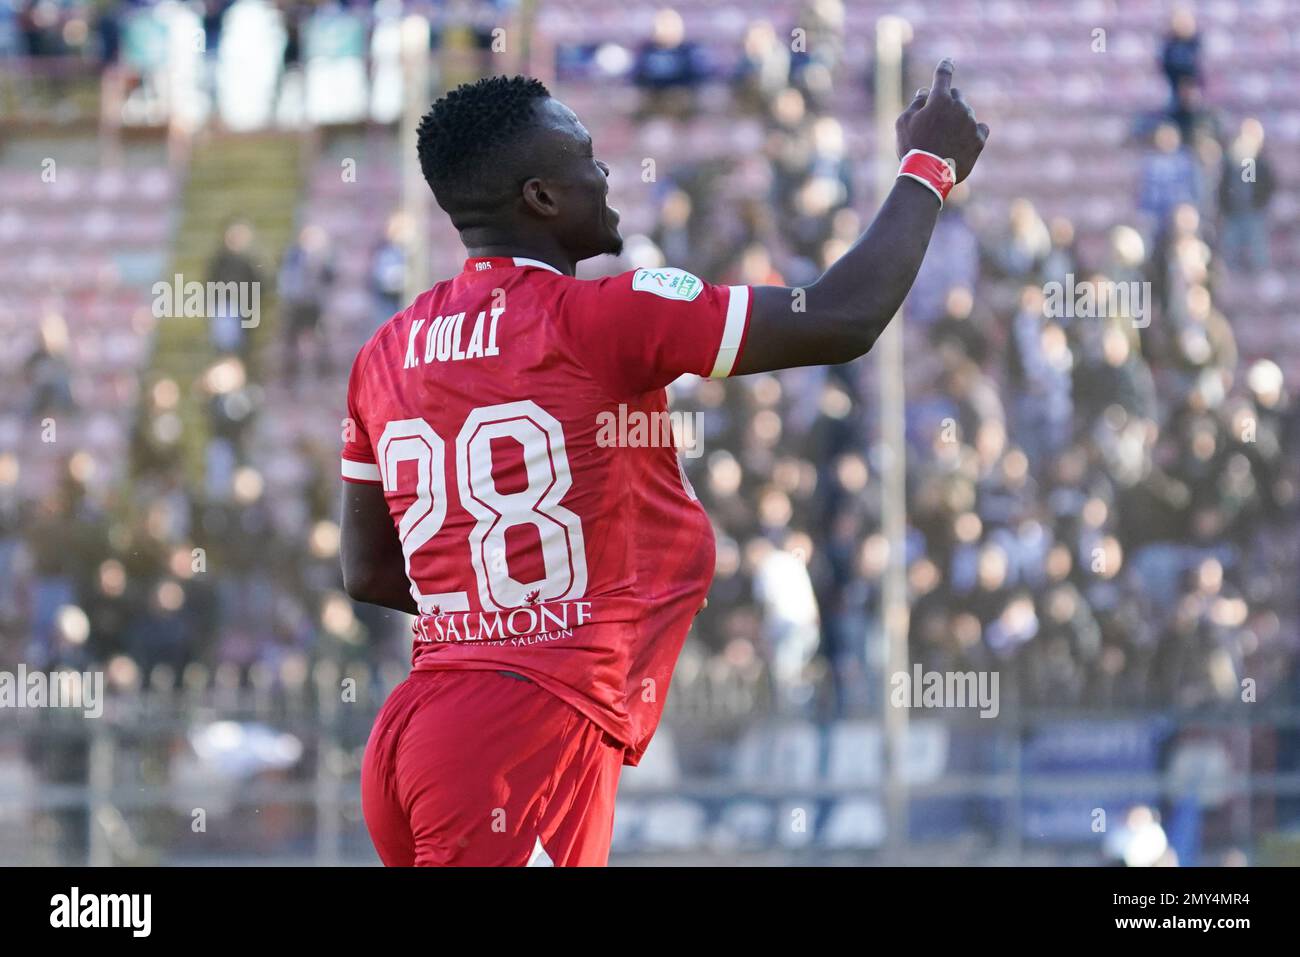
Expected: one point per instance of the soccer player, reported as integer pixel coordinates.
(555, 570)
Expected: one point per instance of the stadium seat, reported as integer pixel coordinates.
(673, 825)
(927, 751)
(853, 824)
(855, 755)
(790, 753)
(743, 823)
(658, 768)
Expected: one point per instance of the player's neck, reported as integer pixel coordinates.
(542, 253)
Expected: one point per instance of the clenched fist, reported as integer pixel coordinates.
(939, 121)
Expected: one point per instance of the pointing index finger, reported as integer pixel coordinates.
(942, 76)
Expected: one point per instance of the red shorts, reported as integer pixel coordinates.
(476, 768)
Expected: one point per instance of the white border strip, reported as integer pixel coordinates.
(733, 331)
(921, 179)
(360, 471)
(521, 261)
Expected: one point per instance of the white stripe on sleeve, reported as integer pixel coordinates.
(733, 331)
(360, 471)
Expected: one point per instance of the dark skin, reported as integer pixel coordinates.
(559, 215)
(374, 568)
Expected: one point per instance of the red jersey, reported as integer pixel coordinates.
(517, 421)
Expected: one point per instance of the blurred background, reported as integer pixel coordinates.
(1103, 511)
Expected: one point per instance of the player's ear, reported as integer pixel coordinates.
(538, 199)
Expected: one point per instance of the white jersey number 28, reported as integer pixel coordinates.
(546, 465)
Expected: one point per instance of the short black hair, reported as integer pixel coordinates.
(460, 140)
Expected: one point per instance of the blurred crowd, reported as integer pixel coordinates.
(1101, 506)
(1100, 502)
(95, 29)
(241, 64)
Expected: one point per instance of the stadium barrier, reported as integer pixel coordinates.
(263, 767)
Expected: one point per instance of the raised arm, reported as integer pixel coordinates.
(840, 316)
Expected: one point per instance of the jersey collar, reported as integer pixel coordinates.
(487, 263)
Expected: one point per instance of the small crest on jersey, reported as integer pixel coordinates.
(668, 283)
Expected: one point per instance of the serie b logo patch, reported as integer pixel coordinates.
(668, 283)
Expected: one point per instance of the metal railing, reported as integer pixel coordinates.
(130, 787)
